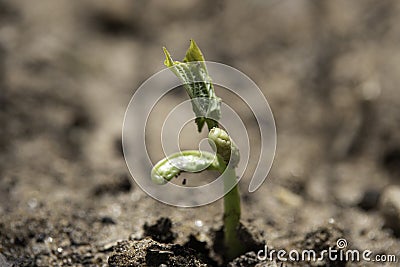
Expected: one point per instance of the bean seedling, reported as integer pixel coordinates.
(193, 73)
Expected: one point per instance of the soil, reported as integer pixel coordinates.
(68, 69)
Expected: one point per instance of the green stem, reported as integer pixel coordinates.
(232, 244)
(232, 211)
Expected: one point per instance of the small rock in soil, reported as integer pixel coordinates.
(390, 206)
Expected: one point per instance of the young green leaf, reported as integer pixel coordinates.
(194, 75)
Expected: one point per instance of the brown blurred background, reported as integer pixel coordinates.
(329, 69)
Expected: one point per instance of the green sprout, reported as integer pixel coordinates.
(206, 106)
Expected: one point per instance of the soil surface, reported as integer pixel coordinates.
(329, 69)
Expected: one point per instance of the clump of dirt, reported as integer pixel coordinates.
(160, 231)
(147, 252)
(202, 250)
(156, 249)
(250, 260)
(324, 238)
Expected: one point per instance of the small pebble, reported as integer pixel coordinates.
(198, 223)
(109, 246)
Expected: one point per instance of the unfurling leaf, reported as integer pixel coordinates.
(193, 73)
